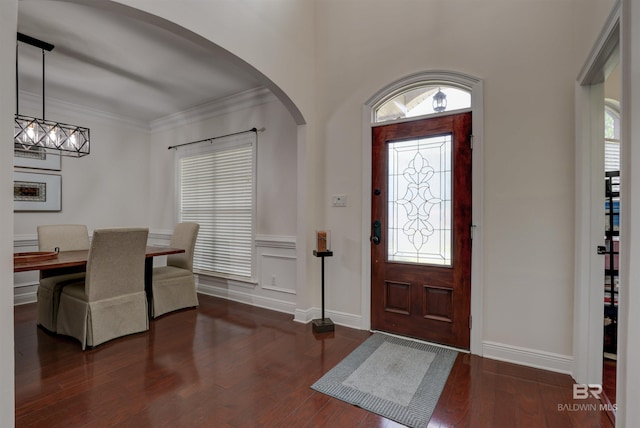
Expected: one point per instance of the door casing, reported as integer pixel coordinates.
(475, 86)
(589, 203)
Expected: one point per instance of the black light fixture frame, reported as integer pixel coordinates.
(32, 134)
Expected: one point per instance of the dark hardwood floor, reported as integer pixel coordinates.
(232, 365)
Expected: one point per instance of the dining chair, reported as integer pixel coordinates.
(110, 302)
(173, 285)
(66, 237)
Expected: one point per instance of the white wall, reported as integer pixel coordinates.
(528, 53)
(8, 20)
(276, 39)
(276, 174)
(107, 188)
(276, 223)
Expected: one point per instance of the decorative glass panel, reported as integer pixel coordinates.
(420, 102)
(420, 201)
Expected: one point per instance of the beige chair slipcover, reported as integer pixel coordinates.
(66, 237)
(111, 301)
(173, 285)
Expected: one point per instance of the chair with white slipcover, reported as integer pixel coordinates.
(65, 237)
(110, 302)
(173, 285)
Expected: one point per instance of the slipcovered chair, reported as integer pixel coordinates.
(173, 285)
(111, 301)
(66, 237)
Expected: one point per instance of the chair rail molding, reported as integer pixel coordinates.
(276, 241)
(21, 241)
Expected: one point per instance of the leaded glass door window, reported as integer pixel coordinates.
(420, 197)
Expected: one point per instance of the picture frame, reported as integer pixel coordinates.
(33, 192)
(36, 158)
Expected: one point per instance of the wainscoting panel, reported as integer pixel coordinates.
(25, 284)
(278, 273)
(275, 273)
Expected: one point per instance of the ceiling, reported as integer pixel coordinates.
(118, 64)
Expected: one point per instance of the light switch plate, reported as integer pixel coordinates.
(339, 200)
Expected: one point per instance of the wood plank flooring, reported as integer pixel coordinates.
(231, 365)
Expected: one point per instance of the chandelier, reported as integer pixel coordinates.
(36, 136)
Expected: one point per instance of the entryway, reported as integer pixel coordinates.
(407, 102)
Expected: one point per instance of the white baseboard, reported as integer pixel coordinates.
(23, 299)
(528, 357)
(305, 316)
(249, 299)
(25, 293)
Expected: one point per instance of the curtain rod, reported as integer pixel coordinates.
(215, 138)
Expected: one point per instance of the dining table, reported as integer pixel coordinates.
(23, 263)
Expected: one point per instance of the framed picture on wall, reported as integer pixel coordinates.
(36, 192)
(35, 157)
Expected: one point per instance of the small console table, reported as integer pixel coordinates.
(322, 325)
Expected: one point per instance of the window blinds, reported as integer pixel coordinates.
(611, 155)
(217, 191)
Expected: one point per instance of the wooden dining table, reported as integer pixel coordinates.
(79, 258)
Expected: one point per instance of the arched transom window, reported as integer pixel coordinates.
(422, 100)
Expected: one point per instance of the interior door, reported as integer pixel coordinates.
(421, 229)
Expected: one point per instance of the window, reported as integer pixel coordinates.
(419, 101)
(217, 189)
(611, 137)
(420, 200)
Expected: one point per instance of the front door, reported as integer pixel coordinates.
(421, 229)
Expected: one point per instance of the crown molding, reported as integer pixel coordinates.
(243, 100)
(54, 104)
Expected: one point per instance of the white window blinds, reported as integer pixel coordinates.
(217, 191)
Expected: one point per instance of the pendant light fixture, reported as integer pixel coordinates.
(37, 136)
(439, 101)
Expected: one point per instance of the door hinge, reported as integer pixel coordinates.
(471, 138)
(470, 322)
(472, 229)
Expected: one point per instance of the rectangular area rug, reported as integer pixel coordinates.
(396, 378)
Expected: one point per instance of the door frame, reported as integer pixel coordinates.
(589, 207)
(475, 87)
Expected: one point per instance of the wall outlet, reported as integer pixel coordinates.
(339, 200)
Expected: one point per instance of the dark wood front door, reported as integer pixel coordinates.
(421, 229)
